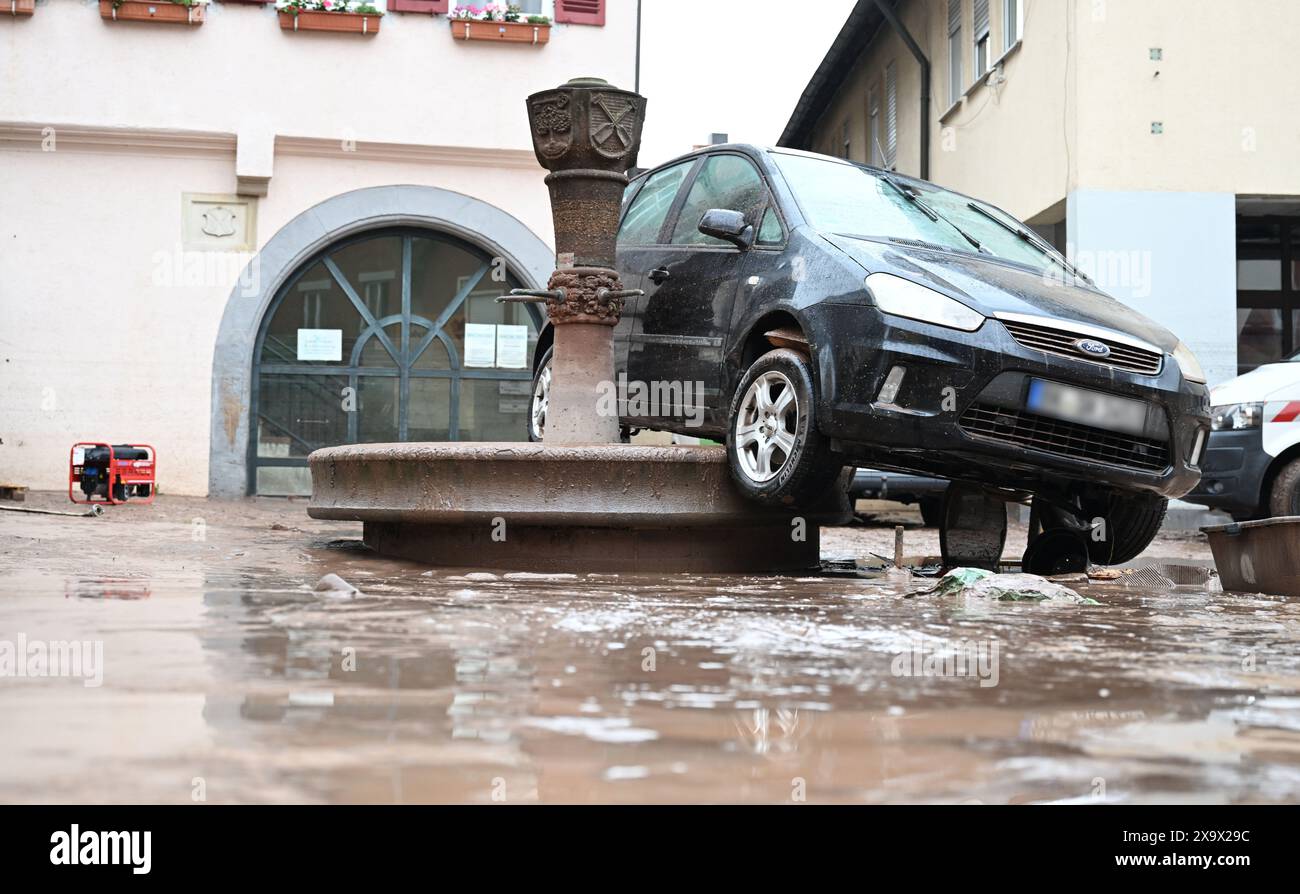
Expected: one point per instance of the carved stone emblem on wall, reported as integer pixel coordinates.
(219, 221)
(216, 222)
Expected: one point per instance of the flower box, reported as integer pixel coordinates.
(151, 11)
(346, 22)
(501, 32)
(18, 7)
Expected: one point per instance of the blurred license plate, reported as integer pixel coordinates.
(1086, 407)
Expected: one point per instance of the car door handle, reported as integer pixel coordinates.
(658, 275)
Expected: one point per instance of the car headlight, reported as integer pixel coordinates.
(1188, 363)
(904, 298)
(1234, 417)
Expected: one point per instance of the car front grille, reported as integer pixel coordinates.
(1061, 342)
(1065, 438)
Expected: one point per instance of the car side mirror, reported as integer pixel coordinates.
(728, 226)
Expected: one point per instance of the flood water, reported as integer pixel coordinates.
(226, 677)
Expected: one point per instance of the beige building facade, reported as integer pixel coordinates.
(1154, 141)
(235, 241)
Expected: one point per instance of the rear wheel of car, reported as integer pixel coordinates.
(537, 407)
(1284, 495)
(776, 453)
(1131, 523)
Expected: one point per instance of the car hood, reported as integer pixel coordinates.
(1274, 381)
(993, 286)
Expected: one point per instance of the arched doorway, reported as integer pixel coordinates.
(387, 335)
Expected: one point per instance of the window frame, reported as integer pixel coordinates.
(1012, 24)
(981, 39)
(955, 85)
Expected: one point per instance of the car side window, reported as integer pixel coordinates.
(725, 181)
(770, 232)
(646, 217)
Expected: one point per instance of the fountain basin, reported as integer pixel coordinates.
(571, 507)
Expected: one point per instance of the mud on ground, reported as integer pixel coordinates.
(226, 676)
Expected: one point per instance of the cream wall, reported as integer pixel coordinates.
(105, 332)
(1075, 102)
(1225, 94)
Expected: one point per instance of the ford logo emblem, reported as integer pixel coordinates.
(1092, 347)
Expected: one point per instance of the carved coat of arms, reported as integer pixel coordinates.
(612, 120)
(553, 125)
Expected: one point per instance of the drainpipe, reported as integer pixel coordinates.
(891, 16)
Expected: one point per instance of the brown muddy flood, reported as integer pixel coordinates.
(225, 675)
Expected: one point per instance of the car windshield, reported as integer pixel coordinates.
(837, 197)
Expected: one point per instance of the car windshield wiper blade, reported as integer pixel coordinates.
(1031, 239)
(910, 195)
(915, 198)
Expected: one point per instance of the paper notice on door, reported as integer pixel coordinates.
(512, 347)
(320, 344)
(480, 345)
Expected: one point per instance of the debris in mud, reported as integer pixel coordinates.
(981, 584)
(335, 587)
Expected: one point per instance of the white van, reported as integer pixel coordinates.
(1251, 468)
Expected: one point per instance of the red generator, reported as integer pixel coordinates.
(111, 473)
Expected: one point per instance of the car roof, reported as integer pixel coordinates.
(757, 151)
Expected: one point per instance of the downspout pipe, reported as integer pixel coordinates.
(891, 16)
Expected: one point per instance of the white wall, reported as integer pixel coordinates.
(1169, 255)
(99, 338)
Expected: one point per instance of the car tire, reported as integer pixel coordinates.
(1284, 494)
(772, 420)
(540, 400)
(1132, 522)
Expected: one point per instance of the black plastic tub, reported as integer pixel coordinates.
(1258, 556)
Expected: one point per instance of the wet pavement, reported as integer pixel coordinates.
(226, 677)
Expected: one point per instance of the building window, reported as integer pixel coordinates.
(954, 51)
(846, 142)
(393, 335)
(1268, 290)
(891, 115)
(1012, 22)
(875, 152)
(981, 38)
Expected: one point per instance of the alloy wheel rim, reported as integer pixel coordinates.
(766, 427)
(541, 399)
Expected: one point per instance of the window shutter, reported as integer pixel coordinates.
(580, 12)
(434, 7)
(954, 16)
(891, 115)
(981, 18)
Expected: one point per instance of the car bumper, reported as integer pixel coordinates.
(1232, 473)
(961, 411)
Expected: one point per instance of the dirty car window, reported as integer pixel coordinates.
(725, 181)
(646, 216)
(843, 198)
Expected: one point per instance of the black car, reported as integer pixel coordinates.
(838, 314)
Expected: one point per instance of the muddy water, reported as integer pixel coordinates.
(226, 676)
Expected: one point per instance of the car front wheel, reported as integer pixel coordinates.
(1131, 523)
(777, 455)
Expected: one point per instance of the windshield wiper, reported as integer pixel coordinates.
(1032, 240)
(910, 195)
(914, 197)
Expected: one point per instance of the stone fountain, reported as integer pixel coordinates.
(580, 501)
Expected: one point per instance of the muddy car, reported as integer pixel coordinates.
(816, 313)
